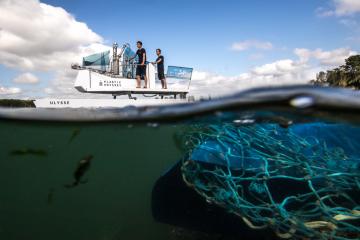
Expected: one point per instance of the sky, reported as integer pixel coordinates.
(231, 44)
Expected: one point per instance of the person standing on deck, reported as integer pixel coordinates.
(160, 68)
(141, 65)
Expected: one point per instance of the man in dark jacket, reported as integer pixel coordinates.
(141, 65)
(160, 68)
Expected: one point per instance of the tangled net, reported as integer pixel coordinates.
(301, 187)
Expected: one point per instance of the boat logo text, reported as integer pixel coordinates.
(111, 83)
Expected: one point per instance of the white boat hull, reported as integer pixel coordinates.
(103, 103)
(88, 81)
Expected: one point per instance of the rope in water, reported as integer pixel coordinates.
(301, 187)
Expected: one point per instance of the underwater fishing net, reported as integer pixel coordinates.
(301, 183)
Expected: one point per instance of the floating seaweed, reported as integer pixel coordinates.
(74, 134)
(82, 167)
(28, 151)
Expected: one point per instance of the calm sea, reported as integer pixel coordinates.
(99, 174)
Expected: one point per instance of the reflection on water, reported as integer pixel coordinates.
(234, 168)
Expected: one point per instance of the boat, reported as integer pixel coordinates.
(113, 73)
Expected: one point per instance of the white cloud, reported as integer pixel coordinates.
(341, 8)
(39, 37)
(9, 91)
(281, 72)
(27, 78)
(205, 83)
(346, 7)
(346, 12)
(245, 45)
(277, 68)
(332, 58)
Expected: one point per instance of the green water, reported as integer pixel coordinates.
(38, 159)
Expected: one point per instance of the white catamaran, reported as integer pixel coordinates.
(102, 74)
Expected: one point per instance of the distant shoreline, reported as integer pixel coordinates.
(17, 103)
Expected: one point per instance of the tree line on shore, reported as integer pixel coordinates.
(347, 75)
(16, 103)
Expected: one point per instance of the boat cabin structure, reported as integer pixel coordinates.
(113, 72)
(104, 74)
